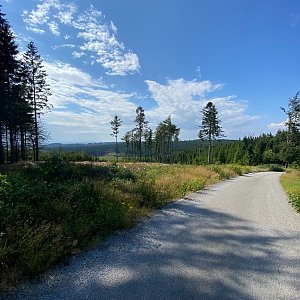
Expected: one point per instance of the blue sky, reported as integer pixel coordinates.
(105, 58)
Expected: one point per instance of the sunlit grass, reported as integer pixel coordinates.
(291, 184)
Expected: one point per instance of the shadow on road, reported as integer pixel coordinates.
(184, 252)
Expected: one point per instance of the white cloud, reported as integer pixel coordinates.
(121, 65)
(64, 46)
(35, 30)
(40, 15)
(66, 13)
(100, 40)
(183, 100)
(78, 54)
(277, 126)
(83, 105)
(97, 35)
(53, 26)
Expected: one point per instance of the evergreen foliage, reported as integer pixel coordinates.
(165, 135)
(23, 95)
(141, 125)
(115, 126)
(210, 127)
(37, 89)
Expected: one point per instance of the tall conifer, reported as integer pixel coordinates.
(38, 89)
(210, 127)
(8, 70)
(115, 126)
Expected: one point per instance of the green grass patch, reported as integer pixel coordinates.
(291, 184)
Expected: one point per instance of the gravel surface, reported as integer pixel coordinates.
(239, 239)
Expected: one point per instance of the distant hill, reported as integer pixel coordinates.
(101, 149)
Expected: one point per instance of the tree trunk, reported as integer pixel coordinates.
(7, 148)
(12, 146)
(23, 149)
(209, 152)
(1, 147)
(117, 150)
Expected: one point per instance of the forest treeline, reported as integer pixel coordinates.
(264, 149)
(23, 97)
(163, 145)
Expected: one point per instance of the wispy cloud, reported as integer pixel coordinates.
(82, 104)
(64, 46)
(53, 26)
(100, 40)
(78, 54)
(183, 100)
(66, 13)
(277, 126)
(35, 30)
(97, 37)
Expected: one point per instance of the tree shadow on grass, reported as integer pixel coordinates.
(184, 252)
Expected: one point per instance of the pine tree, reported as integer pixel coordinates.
(115, 126)
(8, 70)
(210, 127)
(126, 139)
(141, 124)
(148, 136)
(38, 89)
(165, 135)
(293, 129)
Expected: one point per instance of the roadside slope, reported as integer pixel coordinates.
(238, 239)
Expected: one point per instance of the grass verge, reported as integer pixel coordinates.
(58, 208)
(290, 181)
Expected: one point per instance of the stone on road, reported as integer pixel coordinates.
(238, 239)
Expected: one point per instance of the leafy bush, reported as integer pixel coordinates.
(67, 155)
(276, 168)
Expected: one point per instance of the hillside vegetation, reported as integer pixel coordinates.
(57, 208)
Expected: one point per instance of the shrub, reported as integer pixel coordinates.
(276, 168)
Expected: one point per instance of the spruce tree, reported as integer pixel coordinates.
(293, 130)
(210, 127)
(165, 135)
(38, 89)
(115, 126)
(141, 124)
(8, 69)
(126, 138)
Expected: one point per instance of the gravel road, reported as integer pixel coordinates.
(238, 239)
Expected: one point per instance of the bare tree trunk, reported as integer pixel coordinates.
(1, 146)
(23, 147)
(117, 150)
